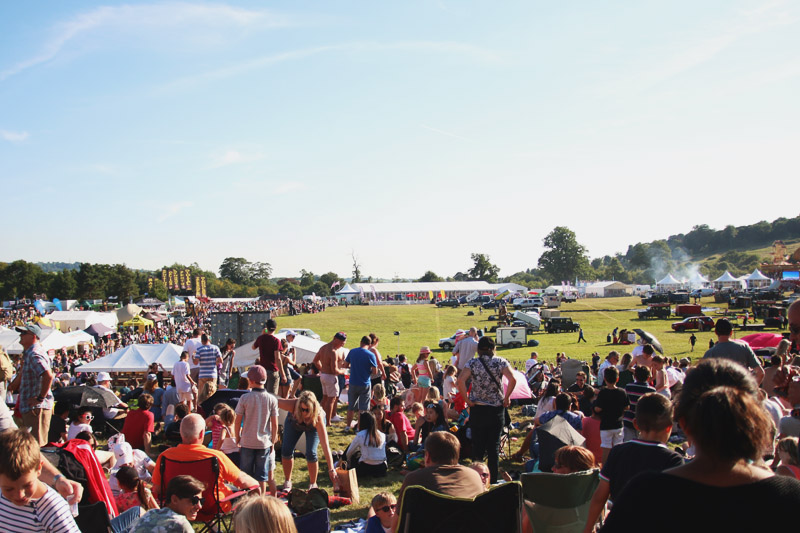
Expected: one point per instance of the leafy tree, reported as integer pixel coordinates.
(564, 258)
(615, 271)
(329, 278)
(483, 269)
(63, 285)
(319, 288)
(430, 276)
(235, 269)
(356, 268)
(290, 288)
(22, 278)
(306, 278)
(159, 290)
(92, 281)
(259, 272)
(122, 282)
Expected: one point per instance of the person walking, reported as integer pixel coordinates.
(692, 341)
(361, 362)
(487, 401)
(580, 335)
(208, 358)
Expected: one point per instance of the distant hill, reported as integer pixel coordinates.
(58, 267)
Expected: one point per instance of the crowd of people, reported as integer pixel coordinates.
(718, 433)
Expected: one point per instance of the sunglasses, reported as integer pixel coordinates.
(387, 508)
(305, 410)
(195, 499)
(88, 416)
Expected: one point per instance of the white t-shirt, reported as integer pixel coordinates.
(74, 429)
(180, 372)
(529, 364)
(191, 345)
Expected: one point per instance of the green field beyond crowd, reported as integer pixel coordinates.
(424, 325)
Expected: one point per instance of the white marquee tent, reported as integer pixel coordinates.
(698, 280)
(727, 280)
(51, 339)
(757, 279)
(305, 348)
(135, 358)
(80, 320)
(669, 283)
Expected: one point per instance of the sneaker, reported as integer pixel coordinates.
(287, 485)
(336, 418)
(312, 486)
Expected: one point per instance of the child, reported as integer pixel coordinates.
(82, 422)
(647, 453)
(591, 432)
(449, 384)
(384, 505)
(27, 504)
(379, 397)
(403, 427)
(221, 424)
(660, 377)
(133, 493)
(611, 403)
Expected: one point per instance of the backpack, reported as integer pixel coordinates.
(303, 502)
(6, 366)
(405, 375)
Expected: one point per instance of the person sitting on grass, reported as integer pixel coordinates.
(434, 420)
(184, 497)
(26, 503)
(370, 443)
(647, 453)
(403, 427)
(133, 492)
(263, 514)
(382, 512)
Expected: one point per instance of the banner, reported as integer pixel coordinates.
(441, 294)
(188, 279)
(197, 287)
(164, 276)
(182, 279)
(430, 295)
(203, 283)
(150, 283)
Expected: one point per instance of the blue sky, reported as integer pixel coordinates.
(409, 133)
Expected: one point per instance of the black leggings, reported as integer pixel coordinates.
(487, 426)
(368, 470)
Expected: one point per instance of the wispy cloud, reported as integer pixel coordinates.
(165, 17)
(173, 209)
(14, 136)
(446, 133)
(233, 157)
(474, 52)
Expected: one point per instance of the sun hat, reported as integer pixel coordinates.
(151, 377)
(103, 376)
(425, 349)
(290, 332)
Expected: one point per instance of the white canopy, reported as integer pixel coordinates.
(9, 340)
(669, 279)
(75, 320)
(348, 289)
(757, 276)
(727, 276)
(51, 339)
(697, 279)
(305, 348)
(135, 358)
(80, 337)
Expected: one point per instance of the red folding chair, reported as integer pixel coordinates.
(207, 471)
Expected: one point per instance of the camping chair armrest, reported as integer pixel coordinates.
(238, 494)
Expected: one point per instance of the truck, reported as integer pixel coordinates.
(684, 310)
(662, 310)
(561, 324)
(552, 301)
(512, 337)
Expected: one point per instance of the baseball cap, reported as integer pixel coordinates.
(290, 332)
(341, 335)
(124, 453)
(151, 377)
(103, 376)
(257, 374)
(271, 324)
(33, 328)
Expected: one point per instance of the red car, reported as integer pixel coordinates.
(701, 323)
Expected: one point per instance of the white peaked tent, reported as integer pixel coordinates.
(80, 337)
(669, 283)
(698, 280)
(9, 340)
(51, 339)
(135, 358)
(727, 280)
(757, 279)
(305, 348)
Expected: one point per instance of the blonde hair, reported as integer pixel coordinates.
(433, 395)
(379, 392)
(225, 413)
(381, 499)
(19, 453)
(450, 370)
(308, 399)
(260, 513)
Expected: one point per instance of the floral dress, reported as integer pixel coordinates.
(162, 521)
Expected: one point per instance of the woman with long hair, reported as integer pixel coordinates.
(726, 487)
(305, 417)
(370, 442)
(263, 514)
(133, 491)
(423, 372)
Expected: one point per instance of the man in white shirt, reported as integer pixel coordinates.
(466, 348)
(533, 361)
(183, 381)
(191, 345)
(112, 411)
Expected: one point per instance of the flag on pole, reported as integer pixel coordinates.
(441, 293)
(430, 294)
(334, 284)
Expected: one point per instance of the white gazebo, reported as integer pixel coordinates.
(728, 281)
(135, 358)
(669, 283)
(305, 348)
(697, 280)
(757, 279)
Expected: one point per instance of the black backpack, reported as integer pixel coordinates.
(303, 502)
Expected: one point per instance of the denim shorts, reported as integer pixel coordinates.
(358, 398)
(258, 463)
(290, 437)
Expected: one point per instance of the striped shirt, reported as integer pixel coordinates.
(37, 362)
(635, 391)
(207, 354)
(50, 513)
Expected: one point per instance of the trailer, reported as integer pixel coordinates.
(512, 337)
(530, 320)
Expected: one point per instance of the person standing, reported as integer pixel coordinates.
(256, 429)
(190, 346)
(361, 362)
(580, 335)
(466, 348)
(269, 349)
(207, 357)
(735, 350)
(34, 381)
(184, 383)
(329, 361)
(228, 353)
(487, 401)
(692, 341)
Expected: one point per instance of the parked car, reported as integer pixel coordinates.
(527, 303)
(705, 291)
(700, 323)
(448, 303)
(560, 324)
(663, 310)
(302, 331)
(448, 343)
(480, 300)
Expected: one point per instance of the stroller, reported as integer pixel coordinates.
(538, 376)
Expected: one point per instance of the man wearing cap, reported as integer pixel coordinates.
(256, 429)
(466, 348)
(34, 381)
(361, 362)
(269, 349)
(330, 361)
(207, 357)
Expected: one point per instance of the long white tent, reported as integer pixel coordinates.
(135, 358)
(75, 320)
(51, 339)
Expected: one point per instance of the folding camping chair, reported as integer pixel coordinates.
(569, 369)
(558, 502)
(497, 510)
(555, 434)
(207, 471)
